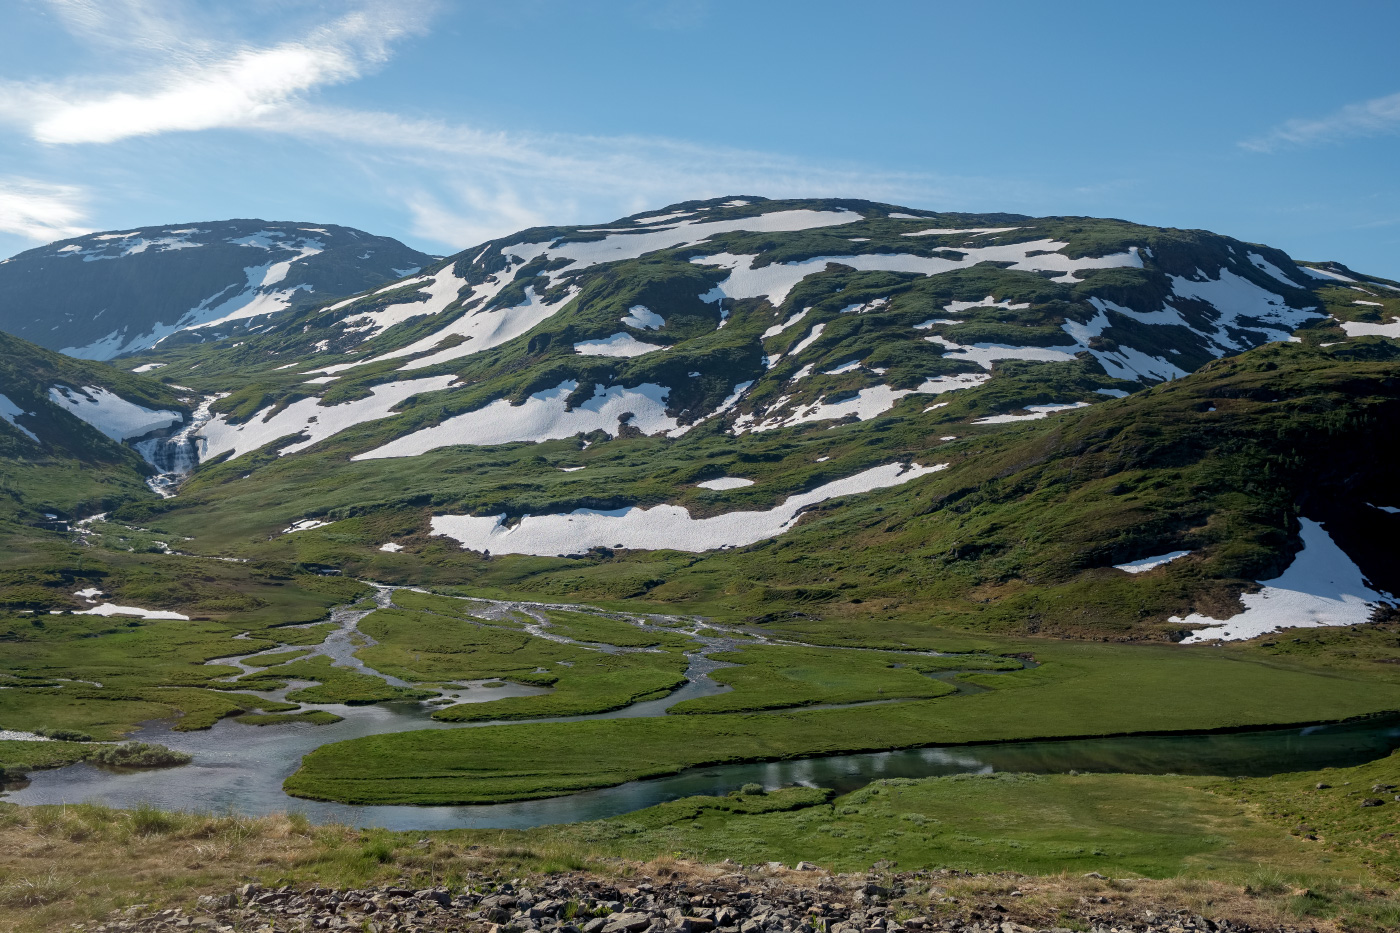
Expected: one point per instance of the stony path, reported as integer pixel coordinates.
(803, 901)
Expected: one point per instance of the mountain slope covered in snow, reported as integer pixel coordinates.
(106, 294)
(758, 405)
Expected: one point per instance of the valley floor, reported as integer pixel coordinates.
(1298, 851)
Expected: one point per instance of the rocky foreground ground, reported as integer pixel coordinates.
(766, 900)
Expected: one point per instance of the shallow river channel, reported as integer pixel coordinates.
(240, 768)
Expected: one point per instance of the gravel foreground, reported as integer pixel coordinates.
(767, 900)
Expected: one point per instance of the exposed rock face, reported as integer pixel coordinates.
(770, 900)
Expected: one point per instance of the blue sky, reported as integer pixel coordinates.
(446, 123)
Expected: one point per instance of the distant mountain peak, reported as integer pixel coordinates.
(108, 294)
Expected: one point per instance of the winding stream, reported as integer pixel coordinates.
(241, 768)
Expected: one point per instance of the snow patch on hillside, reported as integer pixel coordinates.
(986, 354)
(482, 329)
(635, 244)
(775, 280)
(308, 417)
(662, 527)
(643, 318)
(777, 329)
(957, 307)
(10, 411)
(725, 482)
(1244, 306)
(543, 416)
(865, 404)
(111, 414)
(1359, 329)
(1148, 563)
(940, 231)
(111, 609)
(1323, 586)
(441, 288)
(619, 344)
(1035, 413)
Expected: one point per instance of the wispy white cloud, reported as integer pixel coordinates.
(473, 185)
(207, 86)
(40, 211)
(457, 184)
(1373, 117)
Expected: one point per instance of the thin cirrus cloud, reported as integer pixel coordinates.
(1373, 117)
(40, 211)
(474, 185)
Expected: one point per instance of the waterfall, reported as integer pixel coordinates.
(177, 455)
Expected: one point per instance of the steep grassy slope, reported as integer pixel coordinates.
(52, 460)
(1019, 532)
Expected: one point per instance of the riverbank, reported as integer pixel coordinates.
(1258, 852)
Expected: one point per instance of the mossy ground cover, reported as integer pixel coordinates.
(105, 675)
(780, 676)
(333, 684)
(1079, 690)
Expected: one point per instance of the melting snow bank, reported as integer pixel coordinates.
(306, 524)
(619, 344)
(865, 404)
(111, 609)
(10, 735)
(111, 414)
(10, 411)
(1036, 413)
(1147, 563)
(1360, 329)
(543, 416)
(1323, 586)
(662, 527)
(308, 417)
(725, 482)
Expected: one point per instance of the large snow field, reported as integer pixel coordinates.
(9, 411)
(441, 288)
(111, 414)
(1124, 362)
(1244, 305)
(632, 245)
(1359, 329)
(986, 354)
(482, 329)
(310, 418)
(775, 280)
(619, 344)
(866, 404)
(1323, 586)
(662, 527)
(1035, 413)
(1326, 274)
(541, 417)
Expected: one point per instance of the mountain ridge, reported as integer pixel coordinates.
(103, 295)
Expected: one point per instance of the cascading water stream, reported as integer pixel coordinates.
(175, 456)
